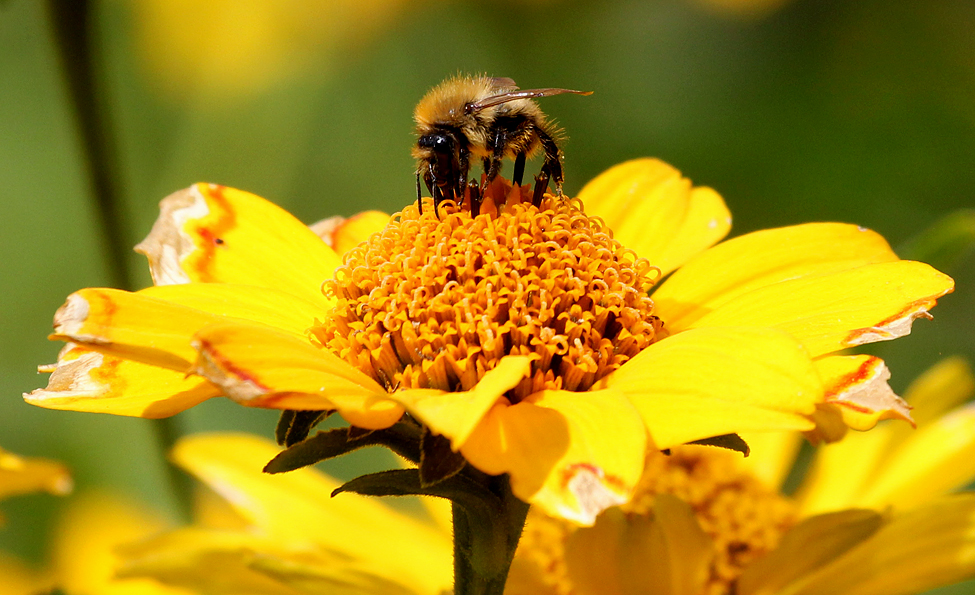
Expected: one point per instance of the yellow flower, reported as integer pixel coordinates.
(232, 49)
(83, 560)
(19, 475)
(287, 535)
(872, 517)
(524, 336)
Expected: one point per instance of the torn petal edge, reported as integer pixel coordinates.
(167, 245)
(892, 328)
(867, 392)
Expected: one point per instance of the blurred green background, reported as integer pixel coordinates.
(857, 111)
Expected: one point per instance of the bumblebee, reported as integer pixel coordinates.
(484, 117)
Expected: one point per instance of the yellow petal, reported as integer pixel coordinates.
(572, 454)
(87, 535)
(656, 212)
(808, 546)
(666, 554)
(337, 577)
(929, 547)
(764, 258)
(297, 507)
(456, 414)
(840, 471)
(857, 386)
(19, 579)
(259, 366)
(945, 385)
(213, 234)
(23, 475)
(936, 459)
(212, 562)
(343, 234)
(827, 313)
(154, 326)
(85, 380)
(771, 457)
(715, 381)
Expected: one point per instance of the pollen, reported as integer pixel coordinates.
(743, 518)
(436, 299)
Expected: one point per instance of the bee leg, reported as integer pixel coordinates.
(541, 185)
(497, 141)
(553, 159)
(463, 165)
(438, 198)
(519, 172)
(419, 198)
(475, 192)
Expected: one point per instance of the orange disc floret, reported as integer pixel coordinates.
(436, 300)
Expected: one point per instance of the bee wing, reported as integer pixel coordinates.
(503, 82)
(526, 94)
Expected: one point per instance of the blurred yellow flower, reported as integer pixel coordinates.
(287, 535)
(742, 8)
(236, 48)
(20, 475)
(703, 521)
(524, 336)
(83, 560)
(873, 517)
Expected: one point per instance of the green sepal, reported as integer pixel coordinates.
(403, 438)
(294, 426)
(437, 461)
(729, 441)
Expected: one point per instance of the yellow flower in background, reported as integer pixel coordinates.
(286, 534)
(238, 48)
(20, 475)
(524, 336)
(24, 475)
(872, 517)
(742, 8)
(83, 560)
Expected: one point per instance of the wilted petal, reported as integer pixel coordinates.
(85, 380)
(155, 325)
(554, 447)
(857, 385)
(830, 312)
(260, 366)
(214, 234)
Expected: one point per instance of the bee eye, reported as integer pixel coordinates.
(438, 142)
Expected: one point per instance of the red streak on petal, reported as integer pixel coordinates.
(225, 365)
(210, 230)
(866, 370)
(913, 311)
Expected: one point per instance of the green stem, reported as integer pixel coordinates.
(71, 24)
(484, 545)
(71, 27)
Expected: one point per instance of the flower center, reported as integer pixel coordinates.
(743, 518)
(437, 299)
